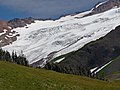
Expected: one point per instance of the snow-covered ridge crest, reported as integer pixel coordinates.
(44, 40)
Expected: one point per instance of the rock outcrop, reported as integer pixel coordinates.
(101, 7)
(20, 22)
(3, 25)
(104, 6)
(7, 35)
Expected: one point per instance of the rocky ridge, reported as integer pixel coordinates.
(7, 34)
(104, 6)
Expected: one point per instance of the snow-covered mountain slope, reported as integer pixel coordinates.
(45, 40)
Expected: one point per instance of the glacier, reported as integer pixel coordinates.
(45, 40)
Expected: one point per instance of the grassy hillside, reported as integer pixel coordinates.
(15, 77)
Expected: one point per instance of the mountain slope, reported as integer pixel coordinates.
(44, 40)
(97, 54)
(15, 77)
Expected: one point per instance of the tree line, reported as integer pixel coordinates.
(81, 70)
(13, 58)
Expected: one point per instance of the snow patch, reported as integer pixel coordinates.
(101, 3)
(0, 41)
(4, 32)
(103, 67)
(92, 70)
(57, 61)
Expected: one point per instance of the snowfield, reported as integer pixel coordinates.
(45, 40)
